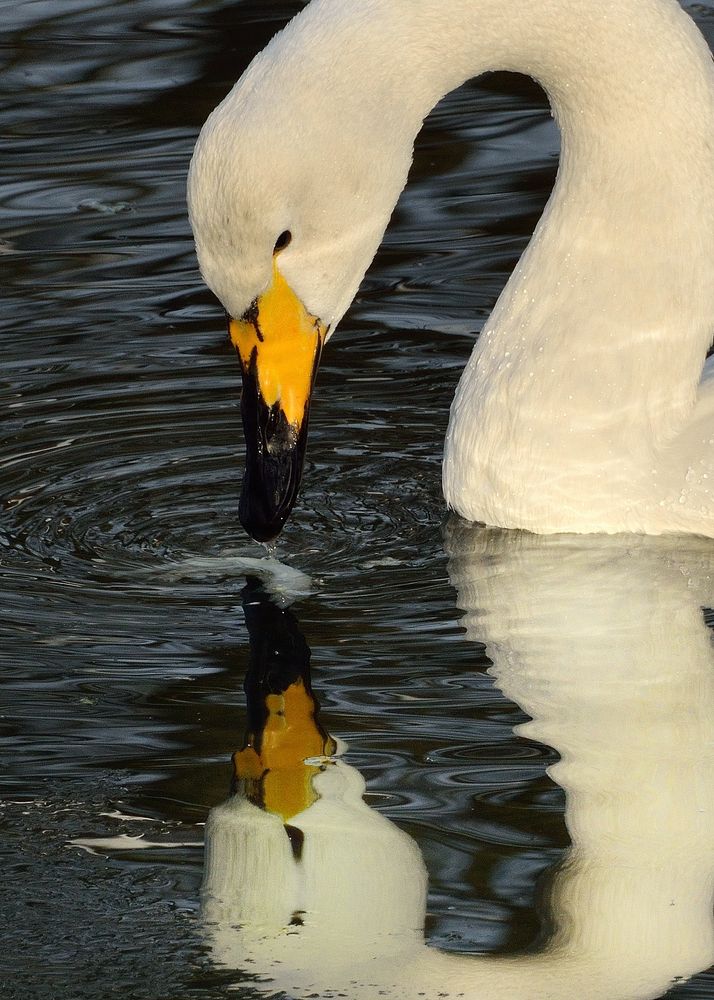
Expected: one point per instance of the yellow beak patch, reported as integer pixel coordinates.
(283, 341)
(273, 763)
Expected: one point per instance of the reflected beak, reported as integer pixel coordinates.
(274, 764)
(279, 344)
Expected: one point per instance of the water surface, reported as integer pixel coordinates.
(124, 644)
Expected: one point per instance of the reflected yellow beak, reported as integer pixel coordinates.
(279, 343)
(273, 764)
(284, 738)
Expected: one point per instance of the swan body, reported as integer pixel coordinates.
(586, 405)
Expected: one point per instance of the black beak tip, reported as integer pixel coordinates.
(275, 451)
(261, 523)
(263, 533)
(263, 511)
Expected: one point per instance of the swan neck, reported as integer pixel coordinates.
(596, 62)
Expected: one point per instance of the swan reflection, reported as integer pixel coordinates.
(602, 641)
(302, 878)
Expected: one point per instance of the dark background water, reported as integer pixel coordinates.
(123, 640)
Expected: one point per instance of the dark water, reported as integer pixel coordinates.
(124, 644)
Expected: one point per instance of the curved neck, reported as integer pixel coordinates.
(622, 256)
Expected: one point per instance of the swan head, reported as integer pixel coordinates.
(290, 189)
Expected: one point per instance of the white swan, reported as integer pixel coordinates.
(584, 406)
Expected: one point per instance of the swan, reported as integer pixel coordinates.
(586, 405)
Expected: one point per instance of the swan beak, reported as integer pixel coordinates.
(279, 344)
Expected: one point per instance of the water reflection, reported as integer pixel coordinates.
(602, 641)
(300, 873)
(284, 734)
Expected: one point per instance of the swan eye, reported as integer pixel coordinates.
(282, 241)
